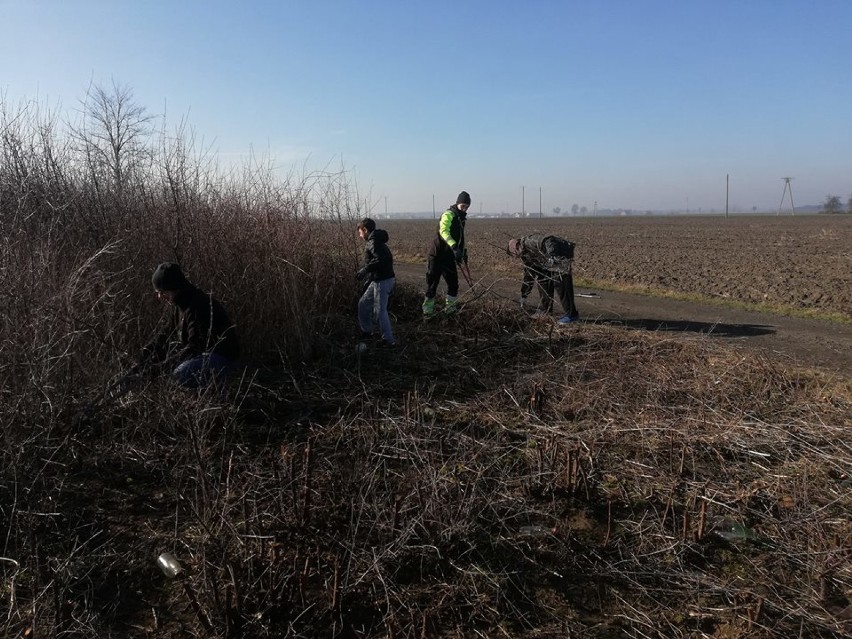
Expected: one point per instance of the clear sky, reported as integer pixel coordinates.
(642, 104)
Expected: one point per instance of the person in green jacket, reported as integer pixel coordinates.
(447, 250)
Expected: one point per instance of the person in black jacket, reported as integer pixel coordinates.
(547, 261)
(201, 344)
(377, 273)
(447, 250)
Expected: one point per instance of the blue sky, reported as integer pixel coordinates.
(643, 104)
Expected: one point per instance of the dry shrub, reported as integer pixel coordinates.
(80, 241)
(494, 476)
(79, 250)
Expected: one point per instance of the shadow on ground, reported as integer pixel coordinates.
(686, 326)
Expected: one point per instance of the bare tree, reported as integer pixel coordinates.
(113, 134)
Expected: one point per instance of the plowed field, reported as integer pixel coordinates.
(797, 262)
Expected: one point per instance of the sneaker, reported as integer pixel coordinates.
(567, 319)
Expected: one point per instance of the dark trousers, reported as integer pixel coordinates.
(547, 281)
(437, 267)
(203, 371)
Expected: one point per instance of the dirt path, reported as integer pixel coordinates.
(788, 340)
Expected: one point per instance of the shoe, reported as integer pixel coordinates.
(567, 319)
(452, 306)
(428, 307)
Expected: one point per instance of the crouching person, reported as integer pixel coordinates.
(200, 346)
(377, 273)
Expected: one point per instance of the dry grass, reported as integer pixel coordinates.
(493, 477)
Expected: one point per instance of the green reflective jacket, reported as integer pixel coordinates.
(450, 232)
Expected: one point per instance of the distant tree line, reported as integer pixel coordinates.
(833, 205)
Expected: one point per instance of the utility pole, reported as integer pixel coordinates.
(433, 206)
(787, 187)
(523, 209)
(539, 202)
(727, 191)
(595, 210)
(386, 206)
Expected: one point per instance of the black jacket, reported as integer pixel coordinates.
(201, 326)
(378, 259)
(544, 257)
(541, 251)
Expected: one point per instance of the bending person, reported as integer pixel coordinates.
(547, 262)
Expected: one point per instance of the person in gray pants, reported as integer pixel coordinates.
(378, 276)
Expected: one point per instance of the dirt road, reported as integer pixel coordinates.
(788, 340)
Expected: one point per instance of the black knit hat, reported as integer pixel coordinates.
(463, 198)
(169, 277)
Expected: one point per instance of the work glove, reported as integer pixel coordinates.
(458, 253)
(362, 273)
(465, 255)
